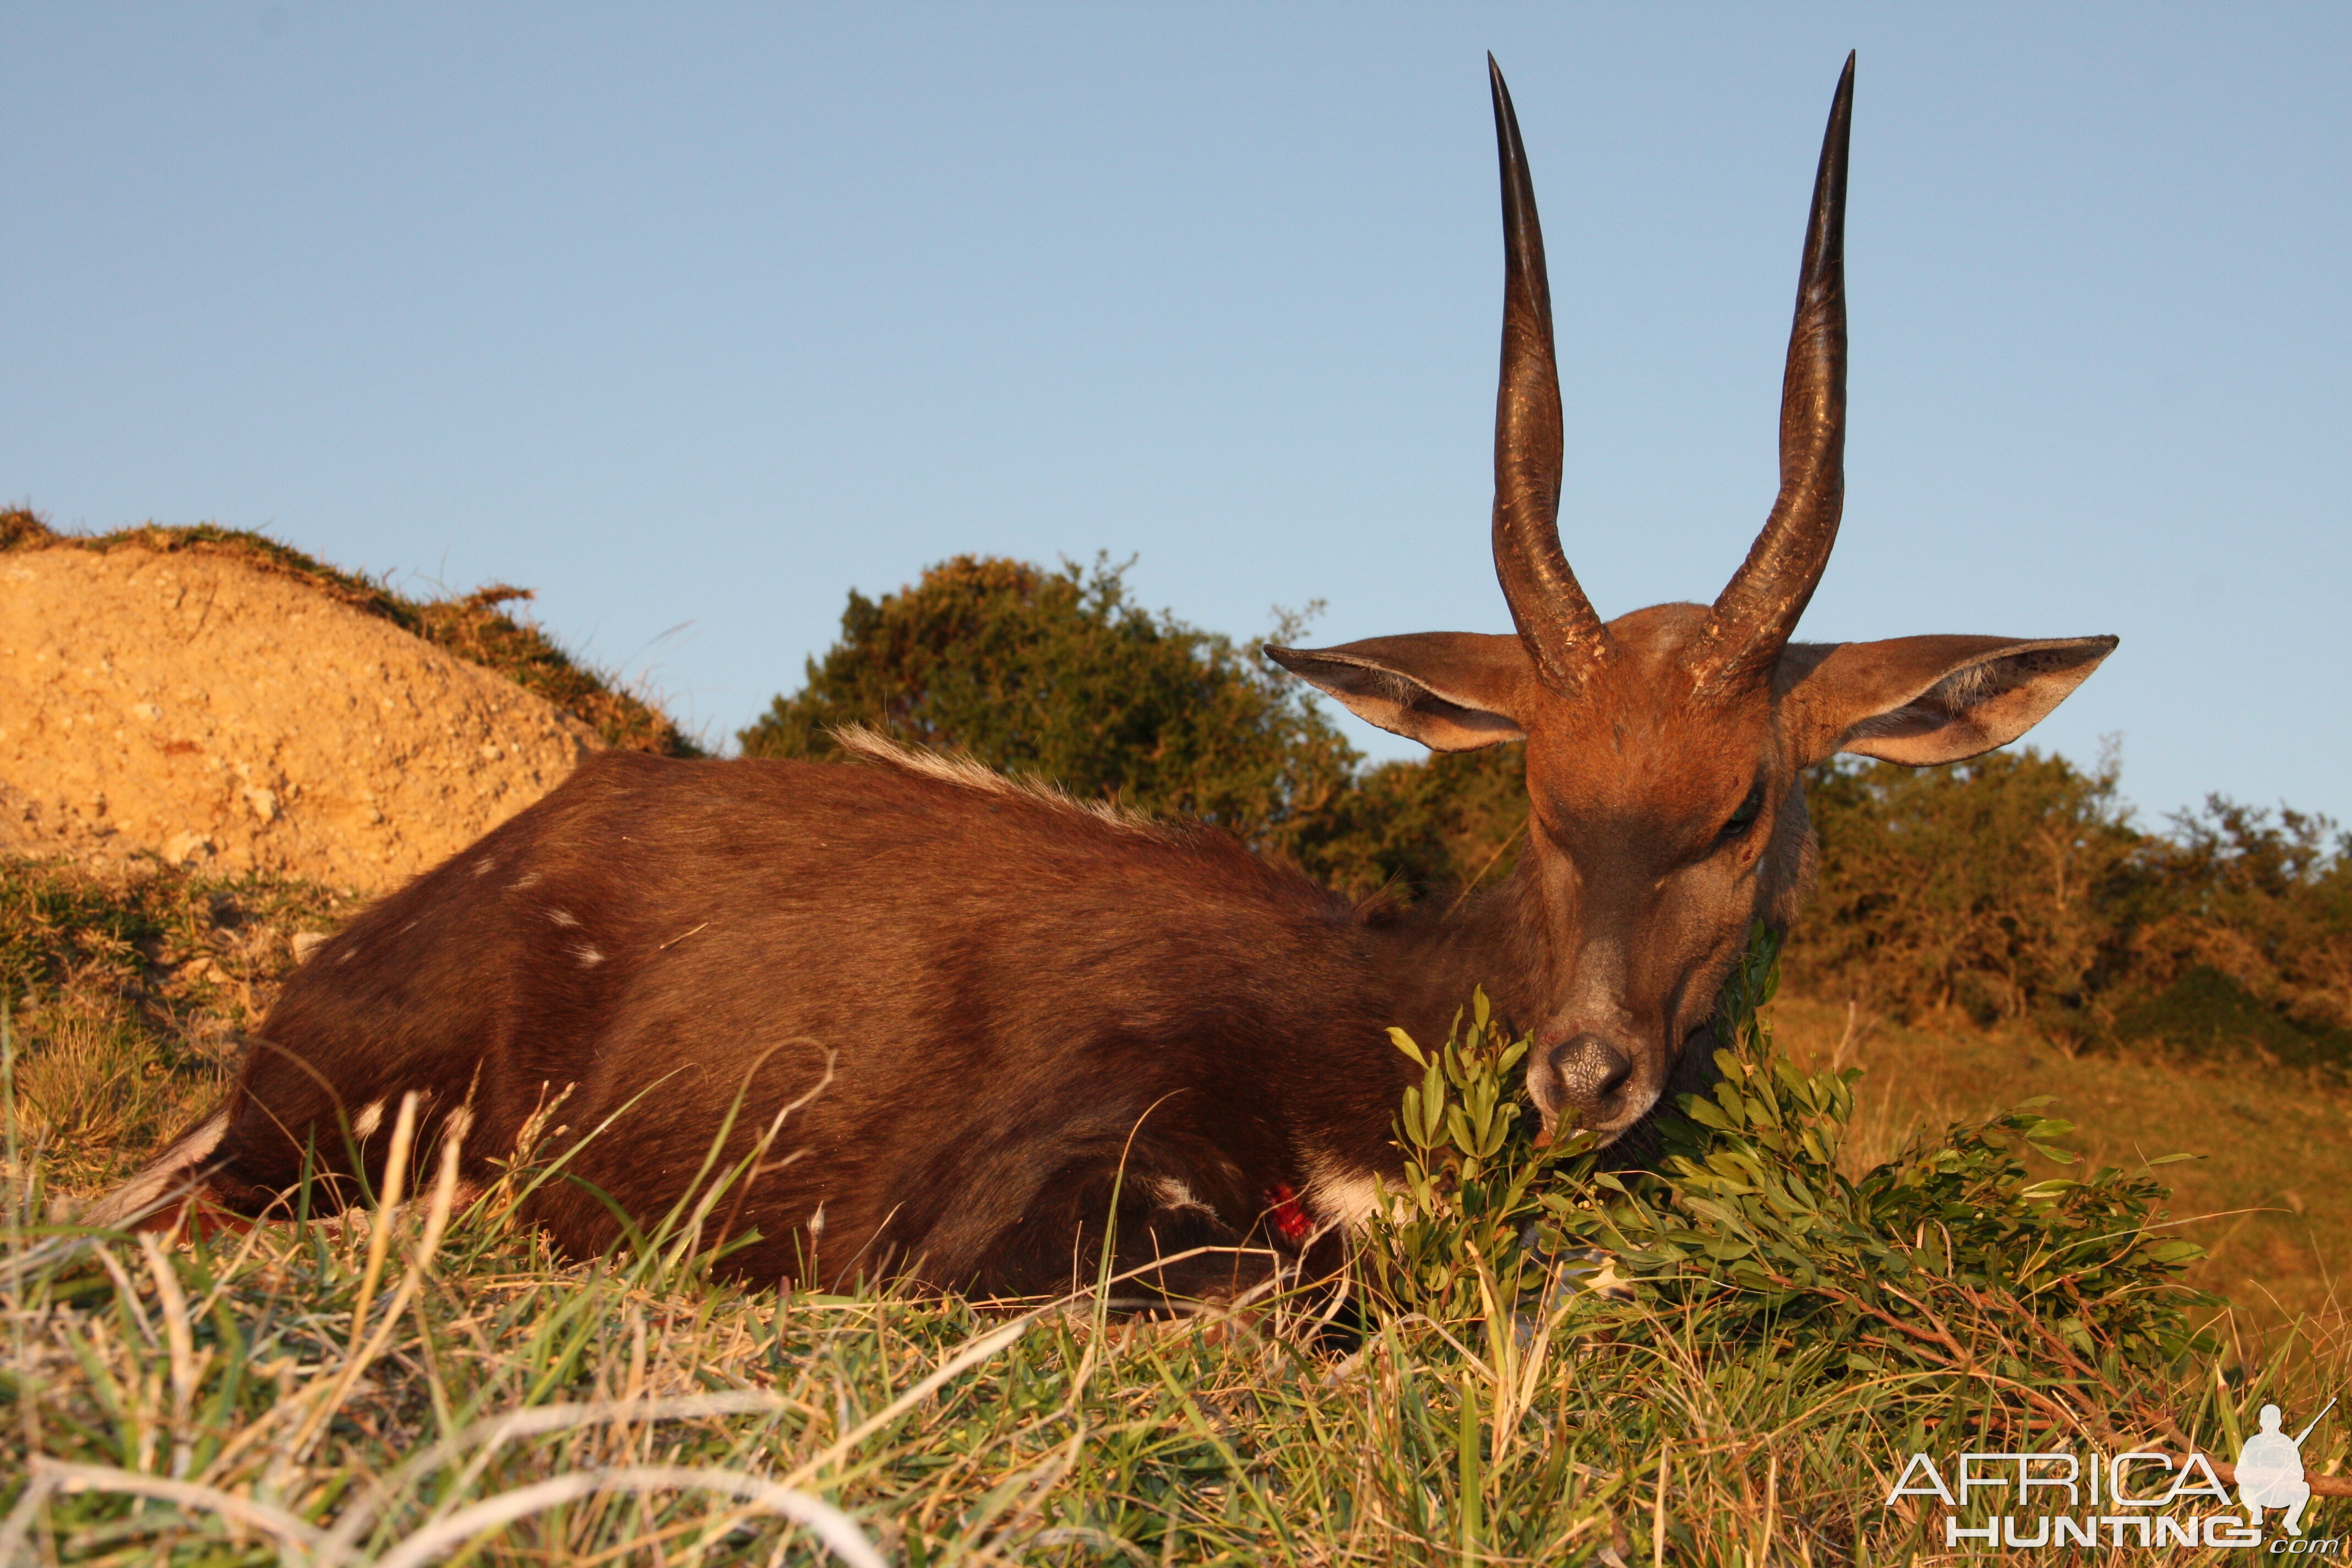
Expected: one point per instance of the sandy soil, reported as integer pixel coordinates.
(195, 707)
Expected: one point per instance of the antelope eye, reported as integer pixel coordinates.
(1741, 820)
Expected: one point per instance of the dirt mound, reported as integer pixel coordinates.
(205, 708)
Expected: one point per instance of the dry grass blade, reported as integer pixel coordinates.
(837, 1529)
(172, 1302)
(395, 1171)
(49, 1476)
(485, 1437)
(436, 1222)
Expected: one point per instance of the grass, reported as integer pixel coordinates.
(471, 625)
(131, 994)
(279, 1386)
(425, 1383)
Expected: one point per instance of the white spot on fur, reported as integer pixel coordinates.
(485, 865)
(172, 1170)
(589, 957)
(370, 1118)
(1339, 1192)
(306, 942)
(528, 880)
(965, 773)
(564, 916)
(1171, 1193)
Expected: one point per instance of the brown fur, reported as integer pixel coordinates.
(1022, 1003)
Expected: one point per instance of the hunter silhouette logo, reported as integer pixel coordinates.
(2270, 1471)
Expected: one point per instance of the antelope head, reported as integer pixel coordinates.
(1665, 748)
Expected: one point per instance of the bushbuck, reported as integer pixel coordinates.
(983, 1026)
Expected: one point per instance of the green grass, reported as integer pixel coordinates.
(391, 1387)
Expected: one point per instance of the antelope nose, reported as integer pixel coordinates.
(1591, 1072)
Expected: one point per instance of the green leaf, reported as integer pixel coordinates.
(1703, 1111)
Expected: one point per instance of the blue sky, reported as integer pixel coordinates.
(693, 318)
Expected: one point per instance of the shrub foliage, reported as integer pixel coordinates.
(1062, 674)
(2015, 887)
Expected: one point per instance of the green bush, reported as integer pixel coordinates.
(1990, 887)
(1431, 830)
(1946, 1256)
(2247, 914)
(1061, 674)
(2014, 888)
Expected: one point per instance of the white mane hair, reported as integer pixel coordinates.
(963, 773)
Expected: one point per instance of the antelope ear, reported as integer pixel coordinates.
(1453, 691)
(1918, 700)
